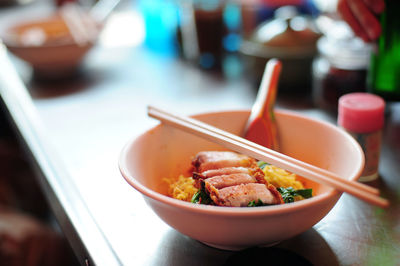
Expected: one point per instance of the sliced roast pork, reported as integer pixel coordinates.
(232, 179)
(241, 195)
(208, 160)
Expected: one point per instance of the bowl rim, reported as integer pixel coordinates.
(8, 36)
(236, 211)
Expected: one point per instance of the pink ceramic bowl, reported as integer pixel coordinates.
(45, 42)
(165, 152)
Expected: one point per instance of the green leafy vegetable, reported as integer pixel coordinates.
(305, 193)
(201, 197)
(196, 197)
(254, 203)
(289, 193)
(262, 164)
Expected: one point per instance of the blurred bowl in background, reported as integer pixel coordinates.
(48, 44)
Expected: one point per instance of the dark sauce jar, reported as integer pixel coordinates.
(340, 68)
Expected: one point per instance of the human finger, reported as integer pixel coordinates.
(366, 18)
(349, 17)
(377, 6)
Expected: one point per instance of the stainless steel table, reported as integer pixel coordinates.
(74, 131)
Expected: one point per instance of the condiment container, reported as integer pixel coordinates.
(362, 115)
(340, 68)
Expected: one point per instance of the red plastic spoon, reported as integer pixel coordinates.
(261, 126)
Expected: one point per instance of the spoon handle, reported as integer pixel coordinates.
(261, 126)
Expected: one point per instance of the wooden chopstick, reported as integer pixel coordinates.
(259, 152)
(267, 150)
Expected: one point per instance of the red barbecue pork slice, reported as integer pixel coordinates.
(208, 160)
(222, 181)
(225, 171)
(256, 173)
(241, 195)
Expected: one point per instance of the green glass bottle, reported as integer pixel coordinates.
(384, 73)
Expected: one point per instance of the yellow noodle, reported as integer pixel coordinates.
(182, 189)
(281, 178)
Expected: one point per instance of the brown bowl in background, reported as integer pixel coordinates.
(47, 45)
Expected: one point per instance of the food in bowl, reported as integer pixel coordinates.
(163, 152)
(225, 178)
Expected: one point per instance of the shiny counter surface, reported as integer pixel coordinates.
(75, 130)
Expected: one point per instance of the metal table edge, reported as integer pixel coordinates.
(80, 228)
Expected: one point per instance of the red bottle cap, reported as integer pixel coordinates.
(361, 112)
